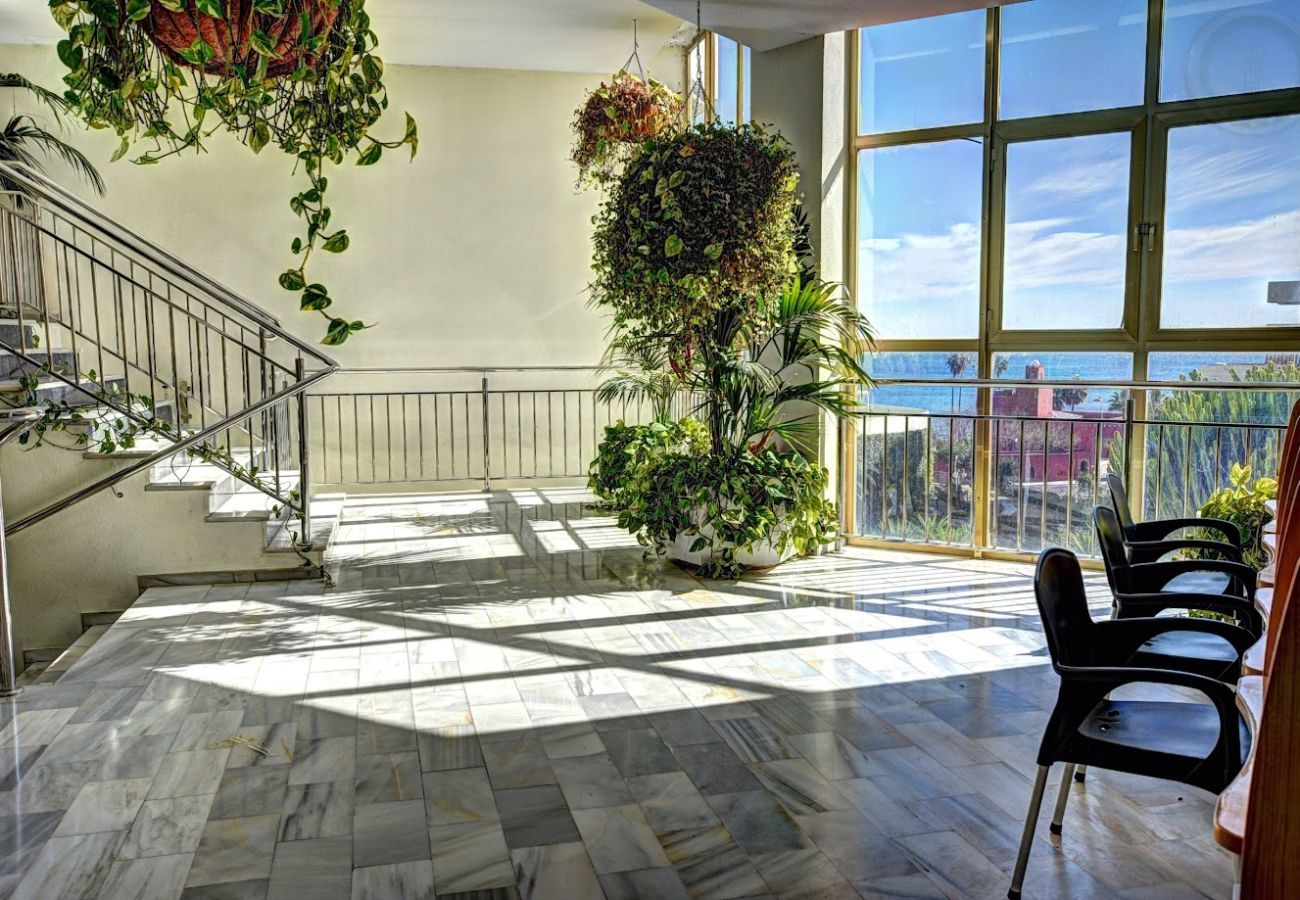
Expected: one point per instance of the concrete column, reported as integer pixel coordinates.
(802, 91)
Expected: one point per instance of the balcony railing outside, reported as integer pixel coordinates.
(992, 475)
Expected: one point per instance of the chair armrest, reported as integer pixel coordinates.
(1137, 631)
(1158, 574)
(1104, 679)
(1162, 528)
(1147, 605)
(1150, 551)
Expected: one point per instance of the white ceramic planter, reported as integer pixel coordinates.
(762, 555)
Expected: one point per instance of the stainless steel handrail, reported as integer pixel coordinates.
(180, 446)
(77, 208)
(53, 238)
(1243, 386)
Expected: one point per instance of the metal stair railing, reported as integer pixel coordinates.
(106, 318)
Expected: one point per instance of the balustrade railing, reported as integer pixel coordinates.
(462, 425)
(99, 320)
(1008, 467)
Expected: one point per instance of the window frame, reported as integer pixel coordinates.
(1149, 124)
(1141, 332)
(710, 41)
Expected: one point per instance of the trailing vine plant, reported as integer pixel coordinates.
(112, 431)
(300, 74)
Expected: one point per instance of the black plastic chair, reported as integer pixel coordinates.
(1144, 589)
(1148, 541)
(1191, 743)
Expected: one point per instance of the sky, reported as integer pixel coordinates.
(1233, 192)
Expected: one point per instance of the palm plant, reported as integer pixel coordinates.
(772, 379)
(25, 142)
(641, 373)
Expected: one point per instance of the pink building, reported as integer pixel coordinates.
(1066, 431)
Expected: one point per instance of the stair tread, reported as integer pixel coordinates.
(51, 673)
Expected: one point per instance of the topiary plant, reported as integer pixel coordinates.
(301, 74)
(699, 225)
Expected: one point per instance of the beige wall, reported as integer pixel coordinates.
(475, 253)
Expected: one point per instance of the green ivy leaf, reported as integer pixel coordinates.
(269, 7)
(315, 298)
(339, 330)
(259, 137)
(412, 137)
(371, 155)
(337, 242)
(673, 246)
(137, 10)
(211, 8)
(260, 41)
(292, 280)
(713, 251)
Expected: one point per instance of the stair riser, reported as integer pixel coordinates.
(14, 336)
(63, 361)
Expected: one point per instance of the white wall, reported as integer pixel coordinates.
(475, 253)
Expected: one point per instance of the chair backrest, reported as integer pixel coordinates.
(1110, 538)
(1063, 605)
(1119, 499)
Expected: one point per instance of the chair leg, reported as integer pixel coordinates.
(1027, 839)
(1081, 774)
(1062, 798)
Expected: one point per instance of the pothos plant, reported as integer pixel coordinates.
(299, 74)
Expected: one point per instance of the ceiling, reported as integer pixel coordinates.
(549, 35)
(768, 24)
(565, 35)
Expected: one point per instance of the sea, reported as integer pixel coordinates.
(1090, 368)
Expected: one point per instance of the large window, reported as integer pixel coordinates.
(1092, 195)
(718, 72)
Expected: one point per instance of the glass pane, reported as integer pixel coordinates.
(1050, 445)
(697, 76)
(725, 100)
(919, 239)
(944, 365)
(1232, 220)
(1218, 47)
(1048, 44)
(1066, 223)
(923, 73)
(915, 456)
(1197, 434)
(747, 101)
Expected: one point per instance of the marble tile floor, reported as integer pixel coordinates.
(501, 699)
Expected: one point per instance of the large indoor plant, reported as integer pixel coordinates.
(696, 262)
(300, 74)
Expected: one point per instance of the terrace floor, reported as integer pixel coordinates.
(499, 696)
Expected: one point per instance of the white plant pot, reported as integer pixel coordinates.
(763, 555)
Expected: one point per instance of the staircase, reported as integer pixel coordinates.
(153, 373)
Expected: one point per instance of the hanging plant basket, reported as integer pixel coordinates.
(236, 35)
(619, 117)
(299, 74)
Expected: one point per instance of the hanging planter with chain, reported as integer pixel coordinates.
(300, 74)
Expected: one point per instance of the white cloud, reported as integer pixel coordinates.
(1266, 248)
(1231, 175)
(1045, 253)
(1086, 179)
